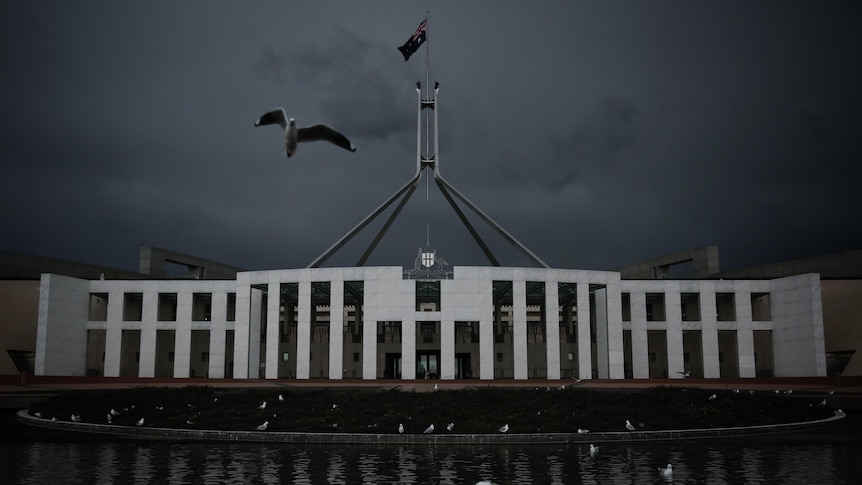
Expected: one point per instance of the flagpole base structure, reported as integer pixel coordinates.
(426, 160)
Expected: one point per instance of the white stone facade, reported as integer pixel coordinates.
(486, 323)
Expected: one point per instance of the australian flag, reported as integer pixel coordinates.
(415, 40)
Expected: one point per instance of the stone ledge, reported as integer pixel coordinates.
(146, 433)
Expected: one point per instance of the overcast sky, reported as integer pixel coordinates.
(596, 133)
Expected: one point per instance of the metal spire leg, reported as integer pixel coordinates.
(347, 237)
(388, 223)
(535, 259)
(467, 224)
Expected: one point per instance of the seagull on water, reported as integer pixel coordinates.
(594, 450)
(736, 391)
(629, 425)
(114, 412)
(450, 426)
(400, 428)
(666, 472)
(76, 418)
(789, 391)
(262, 405)
(712, 397)
(110, 418)
(831, 392)
(263, 426)
(504, 429)
(140, 422)
(429, 429)
(583, 431)
(822, 403)
(294, 135)
(280, 397)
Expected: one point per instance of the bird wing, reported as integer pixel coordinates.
(324, 133)
(275, 116)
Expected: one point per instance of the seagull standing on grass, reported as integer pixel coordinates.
(294, 135)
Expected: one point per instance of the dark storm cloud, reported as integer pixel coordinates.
(596, 134)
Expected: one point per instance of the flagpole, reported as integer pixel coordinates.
(428, 94)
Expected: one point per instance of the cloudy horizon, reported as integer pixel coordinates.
(597, 134)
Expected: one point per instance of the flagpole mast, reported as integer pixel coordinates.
(427, 94)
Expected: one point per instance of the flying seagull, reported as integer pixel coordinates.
(504, 429)
(429, 429)
(294, 135)
(684, 374)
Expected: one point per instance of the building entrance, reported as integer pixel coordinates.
(392, 366)
(427, 365)
(463, 369)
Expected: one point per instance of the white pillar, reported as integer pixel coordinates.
(447, 349)
(273, 311)
(744, 332)
(336, 329)
(585, 354)
(709, 333)
(303, 331)
(149, 316)
(601, 299)
(616, 351)
(640, 345)
(552, 329)
(519, 330)
(242, 324)
(113, 334)
(218, 337)
(408, 349)
(183, 335)
(673, 319)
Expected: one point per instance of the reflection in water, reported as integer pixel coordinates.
(557, 464)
